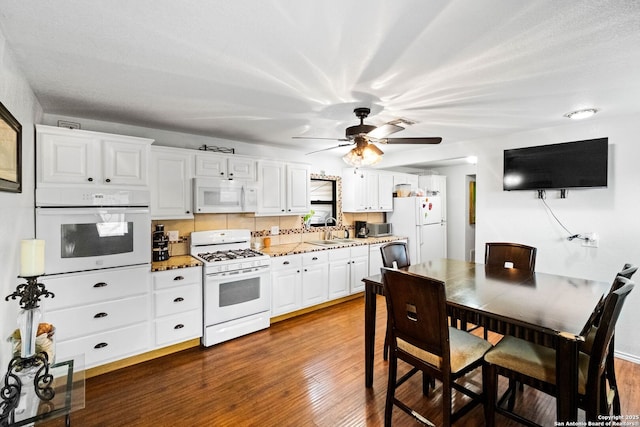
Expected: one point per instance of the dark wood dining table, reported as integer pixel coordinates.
(547, 309)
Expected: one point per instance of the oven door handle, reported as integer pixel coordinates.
(240, 274)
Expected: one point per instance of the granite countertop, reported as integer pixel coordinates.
(299, 248)
(174, 262)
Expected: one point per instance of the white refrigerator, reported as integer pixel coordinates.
(421, 220)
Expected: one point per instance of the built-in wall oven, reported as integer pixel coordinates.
(85, 230)
(236, 284)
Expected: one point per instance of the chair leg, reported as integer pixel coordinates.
(387, 341)
(391, 389)
(611, 377)
(490, 391)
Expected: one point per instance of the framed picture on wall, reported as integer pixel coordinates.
(10, 152)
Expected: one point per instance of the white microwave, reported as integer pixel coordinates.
(213, 195)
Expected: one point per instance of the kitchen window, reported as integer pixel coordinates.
(323, 194)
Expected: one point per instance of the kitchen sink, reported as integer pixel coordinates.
(346, 240)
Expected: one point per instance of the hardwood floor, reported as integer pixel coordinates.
(305, 371)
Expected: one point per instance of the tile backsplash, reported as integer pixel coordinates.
(292, 229)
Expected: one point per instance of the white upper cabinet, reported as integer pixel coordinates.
(213, 165)
(170, 187)
(283, 188)
(72, 156)
(367, 190)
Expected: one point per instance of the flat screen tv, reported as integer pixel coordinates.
(568, 165)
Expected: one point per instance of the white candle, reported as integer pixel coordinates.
(32, 258)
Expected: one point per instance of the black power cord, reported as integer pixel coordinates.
(571, 235)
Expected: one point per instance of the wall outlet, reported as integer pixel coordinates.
(275, 230)
(590, 240)
(174, 236)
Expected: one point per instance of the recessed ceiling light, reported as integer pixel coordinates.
(581, 114)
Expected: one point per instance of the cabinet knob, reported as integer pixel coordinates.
(107, 180)
(179, 299)
(100, 345)
(221, 173)
(231, 174)
(178, 278)
(100, 315)
(282, 210)
(100, 285)
(90, 179)
(178, 326)
(188, 212)
(286, 263)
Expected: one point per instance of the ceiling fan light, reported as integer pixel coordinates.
(581, 114)
(366, 156)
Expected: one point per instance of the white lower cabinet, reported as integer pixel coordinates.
(177, 305)
(347, 267)
(104, 314)
(286, 284)
(315, 278)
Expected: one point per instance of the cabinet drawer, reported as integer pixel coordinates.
(107, 346)
(79, 289)
(318, 257)
(287, 261)
(180, 327)
(358, 251)
(79, 321)
(339, 254)
(178, 277)
(176, 300)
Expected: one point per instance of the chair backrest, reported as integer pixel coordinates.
(610, 313)
(594, 319)
(395, 251)
(510, 255)
(417, 311)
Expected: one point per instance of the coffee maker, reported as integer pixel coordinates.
(361, 229)
(160, 250)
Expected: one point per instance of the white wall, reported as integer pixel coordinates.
(16, 209)
(521, 217)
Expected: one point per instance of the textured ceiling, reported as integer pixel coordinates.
(265, 70)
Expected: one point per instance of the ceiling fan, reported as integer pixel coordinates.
(365, 152)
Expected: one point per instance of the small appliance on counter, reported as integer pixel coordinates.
(361, 229)
(160, 251)
(379, 229)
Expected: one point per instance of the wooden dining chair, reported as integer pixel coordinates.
(394, 255)
(421, 336)
(535, 365)
(507, 255)
(510, 255)
(591, 327)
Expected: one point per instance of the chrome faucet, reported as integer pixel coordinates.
(328, 235)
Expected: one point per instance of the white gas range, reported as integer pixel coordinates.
(236, 284)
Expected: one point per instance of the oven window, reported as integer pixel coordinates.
(238, 292)
(96, 239)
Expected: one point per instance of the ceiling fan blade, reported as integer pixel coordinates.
(318, 137)
(430, 140)
(384, 130)
(330, 148)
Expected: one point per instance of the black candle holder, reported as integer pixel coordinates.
(28, 361)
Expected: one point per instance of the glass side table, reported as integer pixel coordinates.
(68, 384)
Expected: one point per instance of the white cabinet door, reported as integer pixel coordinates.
(271, 183)
(286, 287)
(359, 270)
(68, 159)
(315, 281)
(283, 188)
(210, 165)
(125, 163)
(241, 168)
(298, 182)
(339, 272)
(171, 183)
(385, 192)
(71, 156)
(375, 259)
(315, 278)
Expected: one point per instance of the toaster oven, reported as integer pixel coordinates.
(379, 229)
